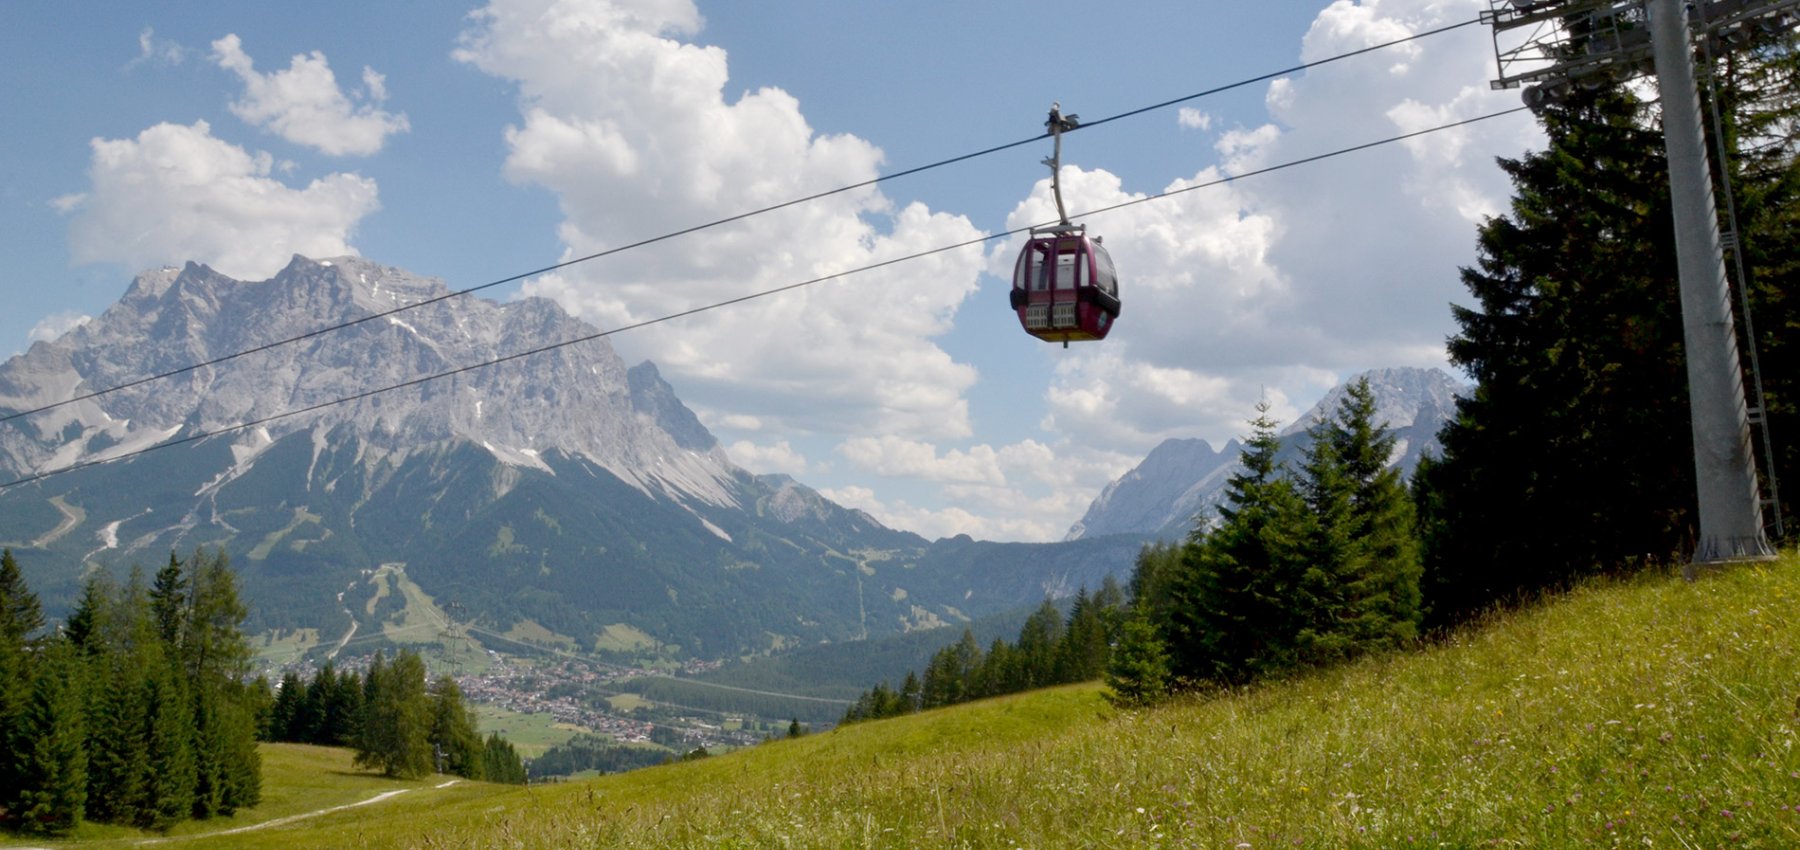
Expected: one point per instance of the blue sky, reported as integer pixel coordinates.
(473, 141)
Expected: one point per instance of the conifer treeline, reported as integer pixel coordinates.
(1304, 567)
(1049, 651)
(393, 720)
(138, 711)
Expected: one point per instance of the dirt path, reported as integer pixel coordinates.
(385, 795)
(72, 516)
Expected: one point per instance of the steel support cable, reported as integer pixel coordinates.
(201, 435)
(723, 221)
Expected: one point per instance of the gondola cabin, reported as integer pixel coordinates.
(1064, 286)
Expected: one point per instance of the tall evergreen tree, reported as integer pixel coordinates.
(1574, 451)
(1153, 579)
(1232, 614)
(500, 762)
(951, 671)
(455, 741)
(1362, 587)
(20, 618)
(86, 624)
(51, 767)
(1081, 654)
(288, 697)
(169, 602)
(169, 739)
(1138, 670)
(340, 706)
(1036, 647)
(396, 718)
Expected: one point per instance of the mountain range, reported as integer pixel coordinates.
(561, 489)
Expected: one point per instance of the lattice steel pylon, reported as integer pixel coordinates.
(1549, 47)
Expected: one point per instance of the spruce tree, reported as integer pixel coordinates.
(1334, 554)
(500, 762)
(173, 776)
(1232, 614)
(1574, 452)
(1138, 670)
(1036, 647)
(1361, 587)
(454, 739)
(282, 716)
(1081, 654)
(20, 618)
(1385, 603)
(169, 602)
(910, 693)
(51, 766)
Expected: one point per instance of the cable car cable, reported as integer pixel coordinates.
(738, 300)
(723, 221)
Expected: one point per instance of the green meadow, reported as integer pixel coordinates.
(1646, 712)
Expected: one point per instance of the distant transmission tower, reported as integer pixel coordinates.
(1552, 47)
(455, 636)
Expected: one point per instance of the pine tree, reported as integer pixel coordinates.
(1138, 670)
(1360, 591)
(910, 693)
(396, 718)
(1037, 647)
(123, 652)
(1574, 451)
(1232, 613)
(500, 762)
(51, 767)
(282, 716)
(169, 739)
(1153, 579)
(453, 736)
(1385, 609)
(20, 617)
(1334, 555)
(340, 709)
(214, 655)
(214, 648)
(169, 602)
(86, 624)
(1081, 654)
(951, 672)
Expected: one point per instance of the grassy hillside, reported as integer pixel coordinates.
(1647, 713)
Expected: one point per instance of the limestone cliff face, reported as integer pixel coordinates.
(579, 399)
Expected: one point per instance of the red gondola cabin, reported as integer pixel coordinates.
(1064, 286)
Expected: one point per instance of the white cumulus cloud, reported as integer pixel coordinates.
(177, 193)
(1276, 286)
(779, 456)
(1194, 119)
(626, 120)
(304, 104)
(55, 325)
(158, 51)
(902, 458)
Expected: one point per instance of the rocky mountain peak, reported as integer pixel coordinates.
(578, 399)
(653, 397)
